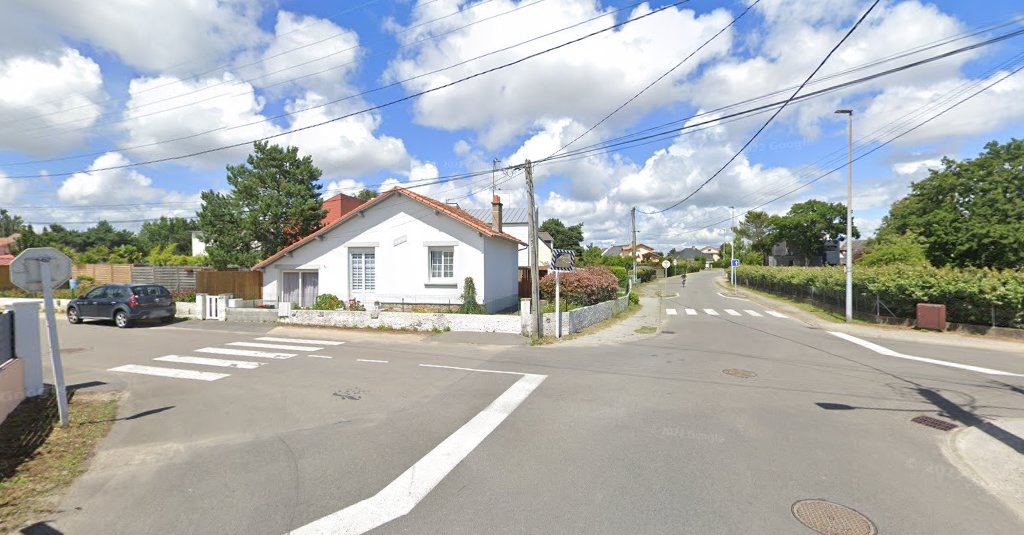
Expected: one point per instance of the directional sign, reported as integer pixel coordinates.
(562, 260)
(27, 273)
(736, 262)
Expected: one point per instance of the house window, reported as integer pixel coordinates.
(363, 271)
(300, 288)
(442, 263)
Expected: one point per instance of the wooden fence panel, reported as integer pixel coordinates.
(104, 273)
(241, 284)
(174, 278)
(524, 281)
(5, 278)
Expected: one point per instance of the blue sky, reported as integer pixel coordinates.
(100, 82)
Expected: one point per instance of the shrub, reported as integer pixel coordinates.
(906, 249)
(583, 287)
(622, 274)
(645, 273)
(328, 302)
(354, 304)
(469, 303)
(634, 298)
(184, 296)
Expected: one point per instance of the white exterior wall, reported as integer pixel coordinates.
(198, 245)
(501, 277)
(400, 232)
(523, 233)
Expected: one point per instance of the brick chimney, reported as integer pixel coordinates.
(496, 213)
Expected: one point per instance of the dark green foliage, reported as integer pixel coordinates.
(167, 231)
(808, 224)
(274, 201)
(968, 213)
(620, 273)
(469, 303)
(905, 249)
(634, 298)
(366, 194)
(565, 237)
(645, 273)
(757, 230)
(10, 224)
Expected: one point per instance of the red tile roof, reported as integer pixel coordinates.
(5, 259)
(451, 211)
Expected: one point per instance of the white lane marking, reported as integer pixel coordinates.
(300, 341)
(371, 360)
(890, 353)
(401, 495)
(732, 297)
(671, 311)
(691, 312)
(710, 311)
(203, 361)
(471, 369)
(776, 314)
(732, 312)
(170, 372)
(753, 313)
(274, 346)
(320, 356)
(245, 353)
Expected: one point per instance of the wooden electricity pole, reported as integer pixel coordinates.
(538, 327)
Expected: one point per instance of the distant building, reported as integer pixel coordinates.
(783, 255)
(690, 254)
(858, 250)
(642, 251)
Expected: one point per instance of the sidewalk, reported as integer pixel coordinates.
(890, 332)
(992, 455)
(618, 331)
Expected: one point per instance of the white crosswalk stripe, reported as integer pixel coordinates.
(776, 314)
(671, 311)
(245, 353)
(753, 313)
(710, 311)
(275, 346)
(301, 341)
(204, 361)
(170, 372)
(732, 312)
(691, 312)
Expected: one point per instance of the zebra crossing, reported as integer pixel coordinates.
(729, 311)
(256, 350)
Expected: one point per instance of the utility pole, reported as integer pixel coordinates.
(849, 215)
(632, 250)
(732, 249)
(494, 169)
(538, 324)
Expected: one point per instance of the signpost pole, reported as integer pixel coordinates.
(51, 328)
(558, 304)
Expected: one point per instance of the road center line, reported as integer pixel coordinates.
(401, 495)
(371, 360)
(890, 353)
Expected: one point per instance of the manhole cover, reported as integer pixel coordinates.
(934, 423)
(832, 519)
(743, 374)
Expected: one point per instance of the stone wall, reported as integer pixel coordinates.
(250, 315)
(405, 320)
(578, 319)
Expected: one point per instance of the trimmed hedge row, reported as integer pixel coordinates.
(583, 287)
(978, 296)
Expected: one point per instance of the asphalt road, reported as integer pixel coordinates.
(645, 437)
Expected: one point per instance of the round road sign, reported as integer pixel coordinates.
(665, 264)
(25, 272)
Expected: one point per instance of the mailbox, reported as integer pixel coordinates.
(931, 317)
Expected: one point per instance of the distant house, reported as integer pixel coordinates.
(399, 247)
(514, 222)
(714, 254)
(783, 255)
(690, 254)
(858, 250)
(642, 251)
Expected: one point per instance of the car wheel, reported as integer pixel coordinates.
(121, 319)
(73, 317)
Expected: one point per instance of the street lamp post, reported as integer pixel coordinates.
(849, 215)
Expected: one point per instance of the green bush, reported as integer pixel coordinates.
(971, 295)
(905, 249)
(328, 302)
(634, 298)
(622, 274)
(582, 287)
(469, 304)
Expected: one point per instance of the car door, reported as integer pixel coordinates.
(87, 304)
(114, 295)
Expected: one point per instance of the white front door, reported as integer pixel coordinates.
(363, 275)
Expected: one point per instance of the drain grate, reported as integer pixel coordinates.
(934, 423)
(743, 374)
(830, 518)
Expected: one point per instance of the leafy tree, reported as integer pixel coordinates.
(758, 230)
(565, 237)
(165, 231)
(96, 254)
(366, 194)
(10, 224)
(125, 254)
(968, 213)
(103, 234)
(274, 201)
(904, 249)
(808, 224)
(592, 256)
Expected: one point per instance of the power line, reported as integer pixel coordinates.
(372, 108)
(774, 115)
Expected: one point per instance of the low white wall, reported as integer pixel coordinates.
(407, 320)
(12, 386)
(185, 309)
(578, 319)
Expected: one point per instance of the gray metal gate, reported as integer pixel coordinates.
(6, 335)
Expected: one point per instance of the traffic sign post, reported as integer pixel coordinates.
(732, 269)
(561, 260)
(43, 269)
(664, 264)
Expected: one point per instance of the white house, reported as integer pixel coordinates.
(399, 247)
(514, 221)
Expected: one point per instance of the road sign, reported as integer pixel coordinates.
(562, 260)
(27, 271)
(736, 262)
(665, 264)
(41, 269)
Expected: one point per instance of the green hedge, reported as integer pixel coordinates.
(978, 296)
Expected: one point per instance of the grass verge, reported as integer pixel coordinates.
(819, 312)
(633, 309)
(39, 459)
